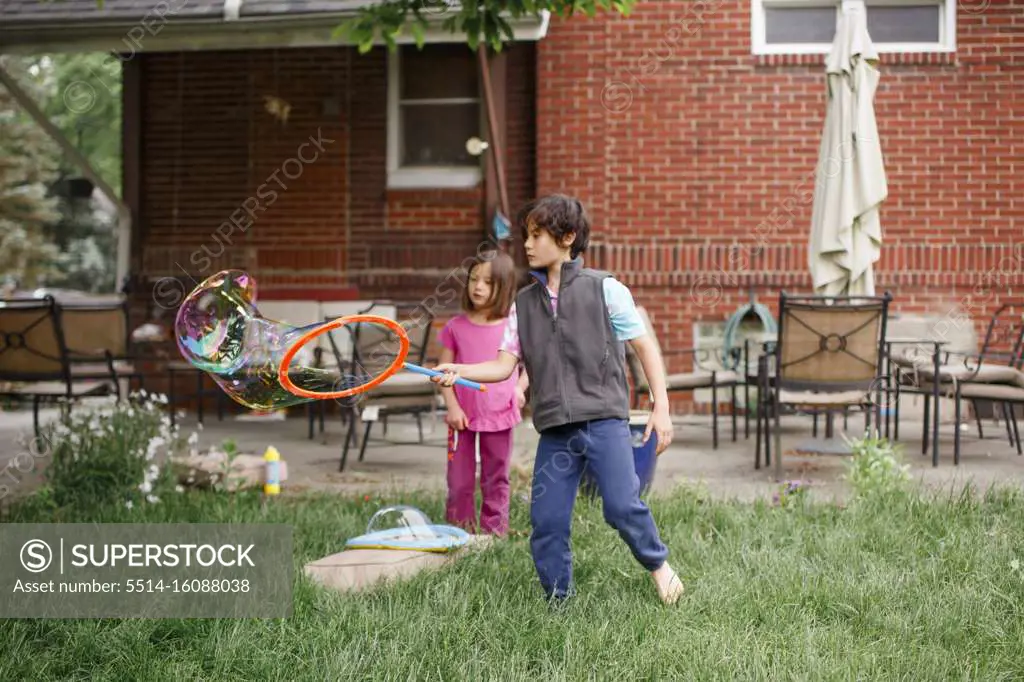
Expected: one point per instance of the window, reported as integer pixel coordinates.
(808, 26)
(433, 108)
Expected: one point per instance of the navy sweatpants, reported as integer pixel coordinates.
(606, 447)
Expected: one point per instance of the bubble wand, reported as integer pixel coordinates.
(220, 331)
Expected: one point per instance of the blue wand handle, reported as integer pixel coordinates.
(434, 373)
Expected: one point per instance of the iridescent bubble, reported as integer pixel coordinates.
(214, 321)
(220, 331)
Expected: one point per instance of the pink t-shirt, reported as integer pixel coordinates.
(494, 409)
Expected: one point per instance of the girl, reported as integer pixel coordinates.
(484, 417)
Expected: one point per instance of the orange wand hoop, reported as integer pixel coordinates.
(396, 364)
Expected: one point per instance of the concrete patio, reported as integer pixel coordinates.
(399, 463)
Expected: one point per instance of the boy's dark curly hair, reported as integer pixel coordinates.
(560, 215)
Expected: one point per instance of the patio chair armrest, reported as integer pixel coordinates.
(699, 351)
(918, 349)
(728, 358)
(935, 345)
(982, 357)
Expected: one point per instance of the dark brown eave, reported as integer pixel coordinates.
(204, 31)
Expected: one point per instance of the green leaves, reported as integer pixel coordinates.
(486, 21)
(876, 468)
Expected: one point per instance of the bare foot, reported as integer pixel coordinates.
(670, 587)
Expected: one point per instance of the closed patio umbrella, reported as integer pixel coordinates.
(846, 233)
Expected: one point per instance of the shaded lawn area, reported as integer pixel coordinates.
(902, 588)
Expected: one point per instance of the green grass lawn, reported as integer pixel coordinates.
(906, 589)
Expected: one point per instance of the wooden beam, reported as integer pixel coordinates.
(496, 138)
(203, 34)
(131, 157)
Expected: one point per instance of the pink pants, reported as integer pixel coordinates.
(495, 459)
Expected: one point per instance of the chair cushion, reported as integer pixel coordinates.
(987, 373)
(701, 379)
(59, 388)
(992, 392)
(404, 384)
(824, 399)
(100, 369)
(398, 403)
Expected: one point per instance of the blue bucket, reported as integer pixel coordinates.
(645, 458)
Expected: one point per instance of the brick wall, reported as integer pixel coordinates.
(226, 183)
(298, 198)
(301, 202)
(696, 159)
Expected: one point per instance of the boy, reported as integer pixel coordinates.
(568, 327)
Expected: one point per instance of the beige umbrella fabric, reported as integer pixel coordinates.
(846, 232)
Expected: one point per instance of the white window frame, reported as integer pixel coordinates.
(759, 45)
(419, 177)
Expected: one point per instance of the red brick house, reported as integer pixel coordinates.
(689, 129)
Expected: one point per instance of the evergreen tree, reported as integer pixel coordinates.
(85, 103)
(28, 167)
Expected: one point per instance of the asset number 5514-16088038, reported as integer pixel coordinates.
(207, 585)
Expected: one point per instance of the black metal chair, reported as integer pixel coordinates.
(829, 357)
(993, 375)
(100, 331)
(403, 393)
(36, 363)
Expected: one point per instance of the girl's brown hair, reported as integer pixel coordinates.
(503, 284)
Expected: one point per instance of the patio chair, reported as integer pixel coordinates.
(100, 331)
(335, 351)
(403, 393)
(35, 361)
(829, 357)
(714, 369)
(993, 375)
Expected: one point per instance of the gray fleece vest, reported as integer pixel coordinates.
(576, 365)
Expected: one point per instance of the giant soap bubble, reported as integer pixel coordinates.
(220, 331)
(257, 361)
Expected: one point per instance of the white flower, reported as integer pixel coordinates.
(129, 504)
(179, 488)
(152, 499)
(193, 439)
(145, 487)
(1015, 564)
(154, 470)
(153, 446)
